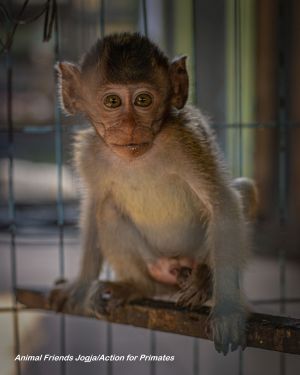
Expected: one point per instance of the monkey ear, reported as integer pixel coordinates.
(179, 81)
(69, 87)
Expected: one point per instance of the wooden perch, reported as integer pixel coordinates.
(264, 331)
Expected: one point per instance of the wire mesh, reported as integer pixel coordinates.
(283, 125)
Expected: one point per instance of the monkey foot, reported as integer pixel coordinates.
(96, 298)
(68, 296)
(195, 286)
(105, 296)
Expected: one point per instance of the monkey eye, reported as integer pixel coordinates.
(112, 101)
(143, 100)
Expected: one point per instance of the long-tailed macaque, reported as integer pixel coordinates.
(158, 198)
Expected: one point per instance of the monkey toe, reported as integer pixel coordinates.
(183, 275)
(195, 286)
(186, 298)
(109, 296)
(192, 296)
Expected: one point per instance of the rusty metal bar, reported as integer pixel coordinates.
(268, 332)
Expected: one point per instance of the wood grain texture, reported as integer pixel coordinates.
(264, 331)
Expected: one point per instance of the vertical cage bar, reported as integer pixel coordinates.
(196, 367)
(196, 100)
(11, 203)
(102, 18)
(196, 364)
(196, 53)
(109, 327)
(238, 82)
(152, 351)
(231, 78)
(109, 346)
(152, 333)
(238, 109)
(59, 195)
(282, 161)
(145, 17)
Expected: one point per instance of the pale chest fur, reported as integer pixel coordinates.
(162, 206)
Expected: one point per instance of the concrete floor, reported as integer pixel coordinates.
(37, 265)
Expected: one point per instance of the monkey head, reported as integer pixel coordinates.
(126, 87)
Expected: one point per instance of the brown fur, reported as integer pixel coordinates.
(155, 187)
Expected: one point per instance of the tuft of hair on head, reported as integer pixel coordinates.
(125, 57)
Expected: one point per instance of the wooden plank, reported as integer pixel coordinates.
(264, 331)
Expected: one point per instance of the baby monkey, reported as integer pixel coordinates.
(159, 205)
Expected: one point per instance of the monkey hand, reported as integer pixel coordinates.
(68, 296)
(195, 286)
(104, 296)
(228, 323)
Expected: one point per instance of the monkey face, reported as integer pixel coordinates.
(125, 86)
(129, 117)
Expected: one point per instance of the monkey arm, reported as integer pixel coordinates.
(226, 235)
(92, 256)
(228, 242)
(227, 246)
(227, 239)
(75, 293)
(87, 143)
(197, 160)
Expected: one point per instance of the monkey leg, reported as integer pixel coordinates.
(105, 296)
(196, 286)
(95, 298)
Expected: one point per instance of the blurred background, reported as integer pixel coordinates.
(244, 67)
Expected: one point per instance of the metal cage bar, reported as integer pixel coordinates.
(59, 197)
(11, 201)
(282, 125)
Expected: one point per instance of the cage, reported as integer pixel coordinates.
(243, 66)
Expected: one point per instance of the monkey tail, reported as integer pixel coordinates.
(249, 196)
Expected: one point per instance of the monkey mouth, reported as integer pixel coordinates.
(131, 150)
(133, 146)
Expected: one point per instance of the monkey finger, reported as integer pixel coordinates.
(236, 338)
(242, 340)
(216, 330)
(229, 331)
(111, 295)
(221, 336)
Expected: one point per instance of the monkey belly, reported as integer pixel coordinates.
(174, 238)
(166, 213)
